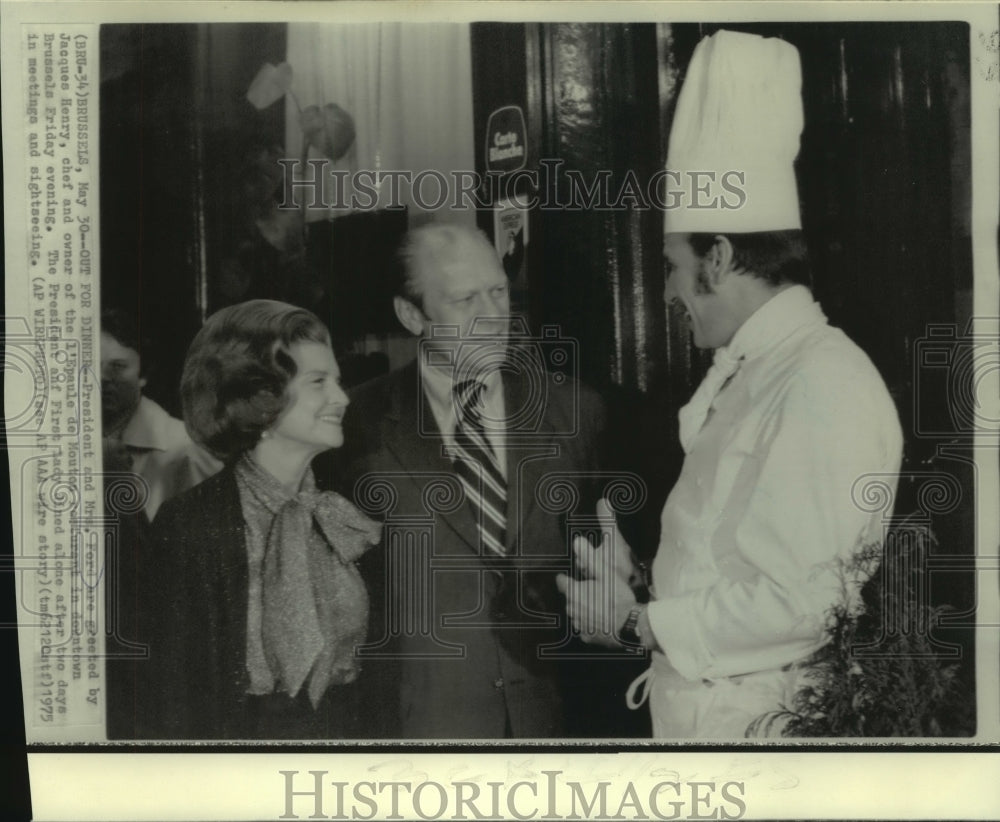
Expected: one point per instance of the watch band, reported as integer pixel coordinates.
(628, 633)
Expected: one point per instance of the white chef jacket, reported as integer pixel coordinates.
(746, 570)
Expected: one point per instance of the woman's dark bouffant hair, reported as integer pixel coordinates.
(237, 370)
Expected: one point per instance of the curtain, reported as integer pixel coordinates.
(408, 88)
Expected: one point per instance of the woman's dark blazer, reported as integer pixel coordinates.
(197, 588)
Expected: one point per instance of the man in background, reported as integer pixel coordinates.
(139, 435)
(142, 440)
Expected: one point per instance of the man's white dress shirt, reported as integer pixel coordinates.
(439, 390)
(163, 454)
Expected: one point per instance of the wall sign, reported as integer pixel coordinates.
(510, 236)
(506, 146)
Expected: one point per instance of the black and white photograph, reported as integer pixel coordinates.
(569, 394)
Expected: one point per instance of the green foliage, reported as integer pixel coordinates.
(880, 674)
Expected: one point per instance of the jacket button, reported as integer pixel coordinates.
(498, 683)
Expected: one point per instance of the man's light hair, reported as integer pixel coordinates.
(432, 246)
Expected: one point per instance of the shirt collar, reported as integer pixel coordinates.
(438, 385)
(152, 428)
(782, 315)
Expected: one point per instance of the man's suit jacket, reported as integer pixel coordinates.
(467, 646)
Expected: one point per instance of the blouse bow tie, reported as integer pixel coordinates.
(315, 605)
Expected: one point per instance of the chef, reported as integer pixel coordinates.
(779, 438)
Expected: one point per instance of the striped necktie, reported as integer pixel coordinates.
(478, 468)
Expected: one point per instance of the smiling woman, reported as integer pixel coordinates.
(254, 599)
(310, 422)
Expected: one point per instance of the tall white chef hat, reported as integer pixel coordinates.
(740, 110)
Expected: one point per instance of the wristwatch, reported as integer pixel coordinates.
(628, 633)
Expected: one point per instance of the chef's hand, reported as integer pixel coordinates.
(598, 603)
(624, 561)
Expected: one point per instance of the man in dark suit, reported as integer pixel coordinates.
(474, 454)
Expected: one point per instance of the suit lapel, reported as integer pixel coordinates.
(527, 444)
(410, 433)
